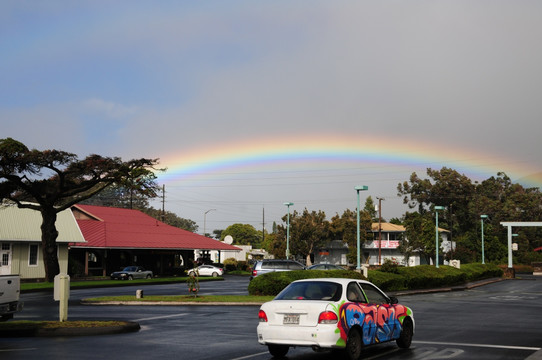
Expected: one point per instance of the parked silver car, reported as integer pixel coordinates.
(272, 265)
(132, 272)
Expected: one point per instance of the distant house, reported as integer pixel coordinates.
(20, 241)
(391, 235)
(117, 237)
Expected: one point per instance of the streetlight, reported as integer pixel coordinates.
(358, 189)
(380, 230)
(482, 217)
(288, 204)
(437, 208)
(205, 220)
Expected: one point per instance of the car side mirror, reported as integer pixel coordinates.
(393, 300)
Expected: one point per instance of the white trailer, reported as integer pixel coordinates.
(10, 289)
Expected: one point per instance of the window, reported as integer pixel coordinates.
(353, 293)
(6, 246)
(373, 295)
(33, 255)
(5, 259)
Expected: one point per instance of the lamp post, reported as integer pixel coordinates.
(288, 204)
(437, 208)
(482, 217)
(205, 220)
(380, 230)
(358, 189)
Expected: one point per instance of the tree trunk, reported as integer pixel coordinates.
(309, 262)
(49, 234)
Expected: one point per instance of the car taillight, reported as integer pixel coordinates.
(327, 317)
(262, 316)
(254, 273)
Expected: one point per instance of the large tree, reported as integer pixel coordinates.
(243, 234)
(465, 200)
(308, 232)
(50, 181)
(344, 228)
(420, 232)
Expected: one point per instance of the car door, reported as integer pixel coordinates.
(387, 326)
(359, 312)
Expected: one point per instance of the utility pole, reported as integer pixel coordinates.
(163, 202)
(263, 225)
(380, 230)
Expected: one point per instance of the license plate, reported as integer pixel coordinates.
(291, 319)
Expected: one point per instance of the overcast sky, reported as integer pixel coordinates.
(251, 104)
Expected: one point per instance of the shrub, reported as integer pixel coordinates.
(387, 281)
(230, 264)
(428, 276)
(243, 266)
(478, 271)
(390, 266)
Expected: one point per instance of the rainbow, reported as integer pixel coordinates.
(332, 151)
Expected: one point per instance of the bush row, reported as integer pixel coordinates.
(404, 278)
(273, 283)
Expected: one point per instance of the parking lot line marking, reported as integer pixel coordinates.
(14, 350)
(510, 347)
(250, 356)
(161, 317)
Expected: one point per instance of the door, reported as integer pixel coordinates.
(5, 258)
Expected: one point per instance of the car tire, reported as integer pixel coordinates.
(215, 274)
(354, 344)
(405, 339)
(130, 277)
(149, 276)
(191, 273)
(278, 351)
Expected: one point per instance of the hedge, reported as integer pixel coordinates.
(273, 283)
(416, 277)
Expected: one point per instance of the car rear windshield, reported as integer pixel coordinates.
(311, 290)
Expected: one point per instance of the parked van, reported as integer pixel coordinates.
(271, 265)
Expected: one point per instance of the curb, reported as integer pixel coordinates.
(126, 327)
(166, 303)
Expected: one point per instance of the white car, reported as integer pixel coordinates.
(333, 313)
(207, 270)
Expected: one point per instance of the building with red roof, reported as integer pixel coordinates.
(117, 237)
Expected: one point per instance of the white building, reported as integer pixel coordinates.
(377, 251)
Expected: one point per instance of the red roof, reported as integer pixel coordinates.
(106, 227)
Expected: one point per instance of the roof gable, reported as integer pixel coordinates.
(18, 224)
(106, 227)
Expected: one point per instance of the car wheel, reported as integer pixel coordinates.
(215, 274)
(191, 273)
(354, 344)
(278, 351)
(405, 339)
(130, 277)
(149, 276)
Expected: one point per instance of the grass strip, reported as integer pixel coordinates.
(29, 286)
(185, 298)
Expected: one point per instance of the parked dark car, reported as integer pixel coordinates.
(325, 267)
(131, 272)
(272, 265)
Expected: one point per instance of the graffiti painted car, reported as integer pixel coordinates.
(332, 313)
